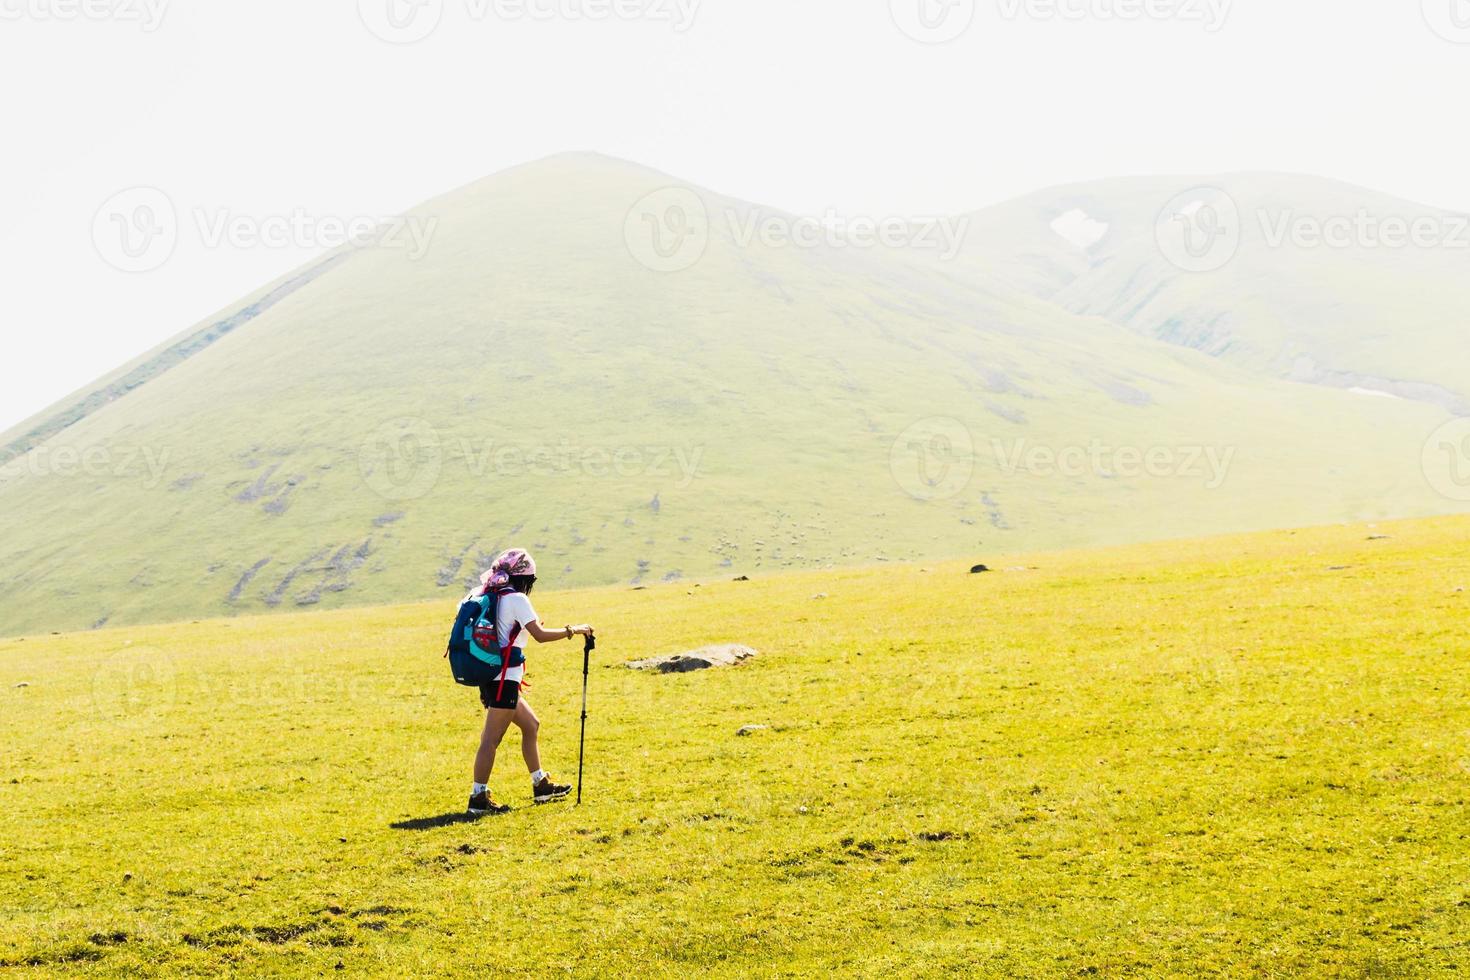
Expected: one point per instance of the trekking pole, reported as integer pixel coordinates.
(587, 649)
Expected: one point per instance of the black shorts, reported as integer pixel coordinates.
(474, 672)
(510, 695)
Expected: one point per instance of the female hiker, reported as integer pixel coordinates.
(495, 662)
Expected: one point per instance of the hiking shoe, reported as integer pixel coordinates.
(481, 804)
(546, 791)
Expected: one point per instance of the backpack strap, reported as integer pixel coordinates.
(505, 660)
(506, 651)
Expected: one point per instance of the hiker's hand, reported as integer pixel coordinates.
(583, 630)
(525, 682)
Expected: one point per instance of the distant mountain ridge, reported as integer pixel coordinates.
(78, 405)
(589, 362)
(1325, 284)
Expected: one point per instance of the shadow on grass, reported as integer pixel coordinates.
(432, 823)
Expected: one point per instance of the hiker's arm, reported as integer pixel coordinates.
(543, 635)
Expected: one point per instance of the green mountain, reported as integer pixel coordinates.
(1309, 279)
(648, 389)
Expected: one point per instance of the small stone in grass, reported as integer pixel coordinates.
(717, 656)
(752, 729)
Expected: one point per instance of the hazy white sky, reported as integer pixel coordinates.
(273, 107)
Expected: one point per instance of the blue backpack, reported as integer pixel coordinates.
(473, 644)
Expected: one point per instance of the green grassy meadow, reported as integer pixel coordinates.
(1243, 756)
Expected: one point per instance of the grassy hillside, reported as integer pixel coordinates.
(1242, 756)
(56, 419)
(1321, 282)
(378, 433)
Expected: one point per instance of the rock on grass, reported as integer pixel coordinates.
(702, 659)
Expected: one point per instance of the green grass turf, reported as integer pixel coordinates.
(1243, 756)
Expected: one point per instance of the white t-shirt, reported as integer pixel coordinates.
(511, 609)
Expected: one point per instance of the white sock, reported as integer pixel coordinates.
(477, 788)
(538, 775)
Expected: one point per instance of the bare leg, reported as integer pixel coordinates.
(497, 721)
(529, 725)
